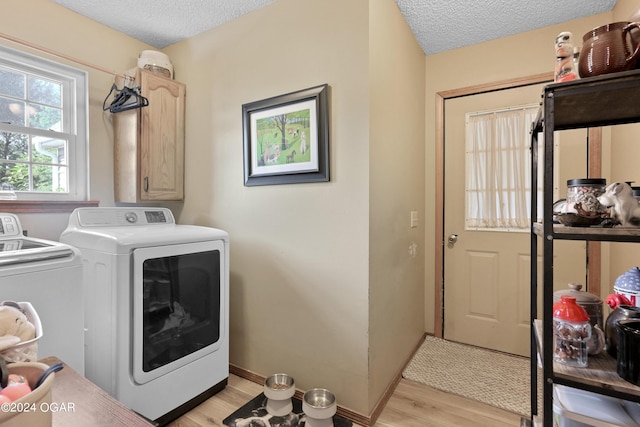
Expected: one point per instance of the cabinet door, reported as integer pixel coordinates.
(162, 138)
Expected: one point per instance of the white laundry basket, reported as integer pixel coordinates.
(26, 351)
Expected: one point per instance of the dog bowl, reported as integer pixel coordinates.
(319, 406)
(279, 389)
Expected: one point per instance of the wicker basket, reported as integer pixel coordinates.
(26, 351)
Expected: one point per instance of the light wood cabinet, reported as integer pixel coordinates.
(149, 143)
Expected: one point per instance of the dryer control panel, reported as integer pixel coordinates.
(121, 216)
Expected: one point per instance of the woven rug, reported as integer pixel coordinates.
(498, 379)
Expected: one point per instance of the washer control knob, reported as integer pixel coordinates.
(131, 217)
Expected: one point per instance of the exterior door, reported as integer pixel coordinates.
(486, 273)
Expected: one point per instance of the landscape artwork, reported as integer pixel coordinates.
(286, 138)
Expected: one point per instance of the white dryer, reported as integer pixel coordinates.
(157, 298)
(47, 274)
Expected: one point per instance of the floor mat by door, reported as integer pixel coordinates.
(498, 379)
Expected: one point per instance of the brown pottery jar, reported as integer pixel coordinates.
(610, 48)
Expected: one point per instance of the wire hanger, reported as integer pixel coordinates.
(124, 99)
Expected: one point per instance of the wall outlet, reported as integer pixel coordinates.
(413, 249)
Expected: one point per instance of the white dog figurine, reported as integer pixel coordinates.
(623, 207)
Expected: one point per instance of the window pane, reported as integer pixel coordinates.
(50, 178)
(11, 111)
(11, 83)
(47, 150)
(14, 146)
(45, 92)
(14, 176)
(498, 181)
(45, 117)
(43, 114)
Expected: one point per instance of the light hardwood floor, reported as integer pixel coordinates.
(411, 405)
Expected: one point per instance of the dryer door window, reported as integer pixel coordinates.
(177, 310)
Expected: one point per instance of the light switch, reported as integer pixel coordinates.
(414, 219)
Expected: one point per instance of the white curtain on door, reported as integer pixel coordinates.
(498, 168)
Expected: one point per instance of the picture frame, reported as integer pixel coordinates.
(286, 138)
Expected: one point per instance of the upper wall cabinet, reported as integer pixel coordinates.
(149, 143)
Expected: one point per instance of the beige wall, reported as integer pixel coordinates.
(396, 187)
(322, 285)
(299, 253)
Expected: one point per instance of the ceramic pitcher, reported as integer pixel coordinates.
(609, 48)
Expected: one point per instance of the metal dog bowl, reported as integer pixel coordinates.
(279, 389)
(319, 404)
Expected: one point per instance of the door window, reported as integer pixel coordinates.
(498, 168)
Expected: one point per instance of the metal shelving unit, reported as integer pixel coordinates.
(592, 102)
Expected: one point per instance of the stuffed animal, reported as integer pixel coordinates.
(14, 326)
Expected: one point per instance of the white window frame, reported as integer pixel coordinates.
(75, 96)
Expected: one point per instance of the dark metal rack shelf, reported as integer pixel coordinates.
(600, 234)
(592, 102)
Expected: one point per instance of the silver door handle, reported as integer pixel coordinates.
(453, 238)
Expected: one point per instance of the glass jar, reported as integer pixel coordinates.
(571, 332)
(585, 191)
(594, 308)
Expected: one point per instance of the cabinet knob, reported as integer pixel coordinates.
(146, 184)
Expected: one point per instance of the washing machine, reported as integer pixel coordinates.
(48, 275)
(157, 307)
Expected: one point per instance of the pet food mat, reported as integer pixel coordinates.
(254, 413)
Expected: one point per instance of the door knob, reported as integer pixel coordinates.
(453, 238)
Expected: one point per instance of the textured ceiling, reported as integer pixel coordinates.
(438, 25)
(442, 25)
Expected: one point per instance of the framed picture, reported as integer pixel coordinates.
(286, 138)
